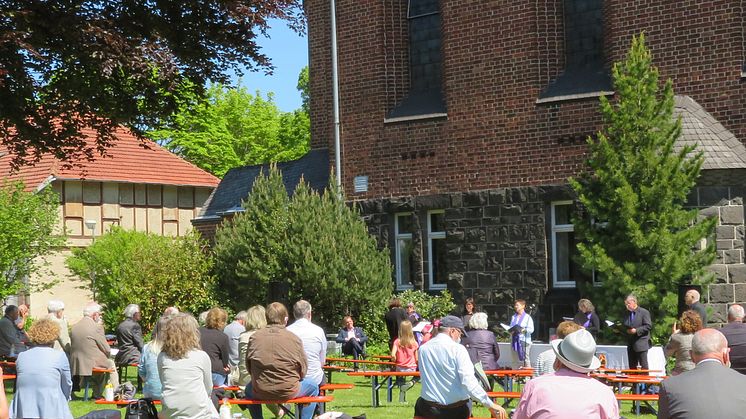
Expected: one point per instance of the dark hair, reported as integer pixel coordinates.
(10, 309)
(522, 301)
(394, 303)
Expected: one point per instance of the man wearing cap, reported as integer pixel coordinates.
(569, 392)
(448, 381)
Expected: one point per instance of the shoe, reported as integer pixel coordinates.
(406, 386)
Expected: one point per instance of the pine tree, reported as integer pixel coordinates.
(634, 231)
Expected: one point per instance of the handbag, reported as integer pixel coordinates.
(141, 409)
(482, 377)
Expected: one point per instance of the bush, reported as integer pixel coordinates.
(130, 267)
(311, 247)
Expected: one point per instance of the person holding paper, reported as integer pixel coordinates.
(587, 317)
(521, 328)
(638, 324)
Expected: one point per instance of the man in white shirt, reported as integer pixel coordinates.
(313, 338)
(448, 381)
(237, 326)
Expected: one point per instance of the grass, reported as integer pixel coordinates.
(353, 402)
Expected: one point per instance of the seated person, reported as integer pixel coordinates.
(352, 338)
(277, 362)
(89, 350)
(10, 342)
(147, 368)
(569, 392)
(129, 337)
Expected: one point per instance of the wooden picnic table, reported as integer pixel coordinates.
(511, 375)
(375, 385)
(383, 357)
(329, 369)
(637, 383)
(299, 401)
(361, 361)
(627, 371)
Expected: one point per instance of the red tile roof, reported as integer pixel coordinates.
(126, 161)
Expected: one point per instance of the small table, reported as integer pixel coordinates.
(375, 385)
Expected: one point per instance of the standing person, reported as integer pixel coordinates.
(353, 339)
(680, 343)
(233, 331)
(482, 345)
(711, 389)
(448, 381)
(185, 371)
(691, 298)
(520, 341)
(215, 344)
(467, 312)
(587, 317)
(404, 355)
(277, 363)
(638, 325)
(735, 333)
(56, 313)
(129, 337)
(147, 368)
(569, 392)
(313, 339)
(412, 315)
(393, 318)
(88, 350)
(44, 384)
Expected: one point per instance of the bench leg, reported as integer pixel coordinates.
(86, 386)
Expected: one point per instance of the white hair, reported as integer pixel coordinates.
(241, 315)
(131, 310)
(695, 293)
(478, 321)
(91, 309)
(301, 309)
(55, 306)
(735, 312)
(631, 297)
(170, 311)
(202, 318)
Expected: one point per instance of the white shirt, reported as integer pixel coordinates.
(233, 330)
(527, 323)
(448, 373)
(314, 344)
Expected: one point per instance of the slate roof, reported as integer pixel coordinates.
(126, 161)
(237, 183)
(722, 150)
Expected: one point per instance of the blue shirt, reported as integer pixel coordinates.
(148, 370)
(447, 373)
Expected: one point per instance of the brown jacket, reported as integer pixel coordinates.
(88, 347)
(277, 362)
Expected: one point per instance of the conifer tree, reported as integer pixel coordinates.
(634, 231)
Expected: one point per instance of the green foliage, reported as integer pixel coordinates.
(233, 128)
(643, 240)
(314, 244)
(156, 272)
(305, 88)
(27, 222)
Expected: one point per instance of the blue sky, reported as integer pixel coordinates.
(289, 54)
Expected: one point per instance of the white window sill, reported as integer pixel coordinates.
(415, 118)
(566, 98)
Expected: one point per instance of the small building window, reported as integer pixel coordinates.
(564, 269)
(436, 250)
(425, 62)
(404, 249)
(584, 72)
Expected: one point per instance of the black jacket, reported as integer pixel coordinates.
(129, 337)
(640, 341)
(735, 333)
(594, 327)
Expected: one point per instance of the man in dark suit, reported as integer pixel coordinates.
(691, 298)
(393, 318)
(352, 338)
(711, 390)
(735, 333)
(637, 321)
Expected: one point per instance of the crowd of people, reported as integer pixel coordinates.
(272, 358)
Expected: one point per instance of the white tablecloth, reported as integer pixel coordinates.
(616, 356)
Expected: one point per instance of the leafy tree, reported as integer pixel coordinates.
(635, 232)
(304, 88)
(156, 272)
(233, 128)
(315, 245)
(27, 222)
(69, 65)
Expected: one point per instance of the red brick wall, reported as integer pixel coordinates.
(498, 57)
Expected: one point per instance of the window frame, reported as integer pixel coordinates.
(433, 235)
(559, 228)
(397, 251)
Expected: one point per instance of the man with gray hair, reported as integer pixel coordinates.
(88, 350)
(638, 324)
(129, 337)
(691, 298)
(313, 338)
(56, 313)
(711, 389)
(735, 334)
(233, 330)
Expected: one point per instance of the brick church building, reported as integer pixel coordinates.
(462, 120)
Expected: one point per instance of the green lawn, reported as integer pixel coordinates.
(353, 402)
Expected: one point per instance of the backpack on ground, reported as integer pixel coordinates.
(141, 409)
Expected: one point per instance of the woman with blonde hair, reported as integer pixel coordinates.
(680, 343)
(404, 353)
(43, 383)
(216, 344)
(185, 371)
(147, 369)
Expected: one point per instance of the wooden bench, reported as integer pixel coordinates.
(300, 401)
(375, 385)
(87, 378)
(363, 362)
(636, 399)
(121, 403)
